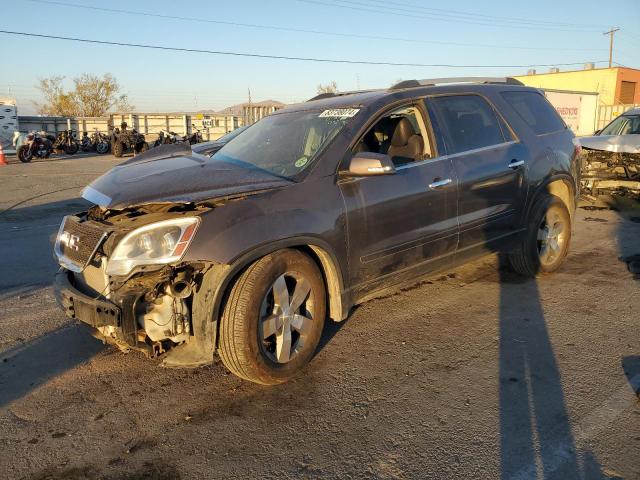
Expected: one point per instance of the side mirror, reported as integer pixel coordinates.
(366, 164)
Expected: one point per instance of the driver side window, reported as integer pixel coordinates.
(400, 134)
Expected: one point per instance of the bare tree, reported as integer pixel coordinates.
(93, 96)
(57, 102)
(331, 87)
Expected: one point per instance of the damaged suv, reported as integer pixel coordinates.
(314, 209)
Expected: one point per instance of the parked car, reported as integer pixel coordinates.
(611, 157)
(321, 206)
(209, 148)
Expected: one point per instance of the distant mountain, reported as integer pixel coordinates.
(237, 109)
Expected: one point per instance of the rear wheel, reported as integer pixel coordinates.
(117, 149)
(24, 155)
(273, 318)
(546, 242)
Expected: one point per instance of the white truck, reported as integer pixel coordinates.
(8, 124)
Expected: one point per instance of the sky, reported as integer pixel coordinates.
(507, 34)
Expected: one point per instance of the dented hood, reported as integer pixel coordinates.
(612, 143)
(176, 179)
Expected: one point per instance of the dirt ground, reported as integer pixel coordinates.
(474, 374)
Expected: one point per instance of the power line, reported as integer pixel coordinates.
(284, 57)
(306, 31)
(410, 14)
(458, 13)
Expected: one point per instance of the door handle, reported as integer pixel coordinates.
(516, 163)
(439, 183)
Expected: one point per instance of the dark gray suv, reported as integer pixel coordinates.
(311, 211)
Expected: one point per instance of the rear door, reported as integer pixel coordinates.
(489, 163)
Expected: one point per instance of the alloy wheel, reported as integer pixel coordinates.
(286, 317)
(551, 238)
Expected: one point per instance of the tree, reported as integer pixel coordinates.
(92, 96)
(331, 87)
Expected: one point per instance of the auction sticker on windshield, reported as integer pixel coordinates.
(339, 113)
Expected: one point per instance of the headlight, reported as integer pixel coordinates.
(154, 244)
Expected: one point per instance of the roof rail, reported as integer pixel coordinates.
(441, 81)
(337, 94)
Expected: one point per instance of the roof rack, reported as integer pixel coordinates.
(442, 81)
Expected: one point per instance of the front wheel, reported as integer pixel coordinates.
(102, 147)
(71, 148)
(141, 147)
(273, 319)
(24, 155)
(546, 242)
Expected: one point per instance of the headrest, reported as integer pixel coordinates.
(403, 132)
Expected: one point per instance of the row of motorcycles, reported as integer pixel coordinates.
(121, 140)
(43, 144)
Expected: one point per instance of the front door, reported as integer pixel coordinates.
(403, 224)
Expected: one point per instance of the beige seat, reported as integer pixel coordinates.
(406, 145)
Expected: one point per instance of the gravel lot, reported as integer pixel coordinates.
(474, 374)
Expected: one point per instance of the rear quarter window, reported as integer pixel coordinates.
(535, 110)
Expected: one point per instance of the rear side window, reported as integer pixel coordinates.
(535, 110)
(468, 122)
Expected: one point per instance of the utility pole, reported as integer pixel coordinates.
(610, 33)
(249, 113)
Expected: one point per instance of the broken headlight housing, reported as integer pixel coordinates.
(158, 243)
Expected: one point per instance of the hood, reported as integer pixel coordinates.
(612, 143)
(175, 179)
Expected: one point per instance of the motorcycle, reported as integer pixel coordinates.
(166, 137)
(101, 142)
(66, 142)
(98, 142)
(196, 136)
(37, 144)
(86, 145)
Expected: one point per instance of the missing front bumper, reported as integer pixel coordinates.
(79, 306)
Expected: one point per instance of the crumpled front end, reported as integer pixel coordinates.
(607, 172)
(155, 308)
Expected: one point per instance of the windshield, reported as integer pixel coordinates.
(623, 125)
(286, 143)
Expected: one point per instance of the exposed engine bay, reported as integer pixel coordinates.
(151, 305)
(607, 172)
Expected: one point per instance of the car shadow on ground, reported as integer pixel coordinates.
(26, 367)
(535, 431)
(536, 439)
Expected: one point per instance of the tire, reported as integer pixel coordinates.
(71, 148)
(118, 149)
(141, 148)
(251, 312)
(538, 252)
(24, 155)
(102, 147)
